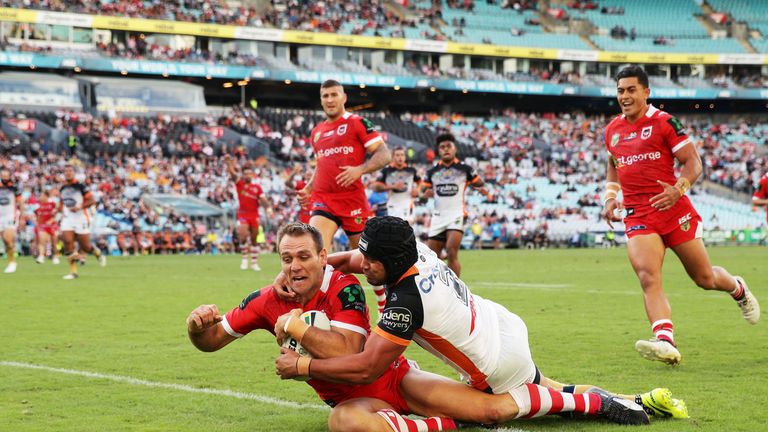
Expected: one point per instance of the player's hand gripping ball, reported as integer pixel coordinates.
(314, 318)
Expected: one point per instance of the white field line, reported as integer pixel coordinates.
(155, 384)
(517, 286)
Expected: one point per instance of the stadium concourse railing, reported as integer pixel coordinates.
(160, 68)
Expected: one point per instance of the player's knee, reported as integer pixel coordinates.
(648, 279)
(346, 419)
(494, 413)
(705, 280)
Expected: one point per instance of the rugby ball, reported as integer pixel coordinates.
(314, 318)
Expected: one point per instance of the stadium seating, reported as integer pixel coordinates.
(650, 18)
(685, 45)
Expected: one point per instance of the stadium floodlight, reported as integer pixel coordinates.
(227, 85)
(397, 87)
(432, 89)
(242, 83)
(123, 72)
(465, 91)
(362, 85)
(208, 77)
(288, 81)
(165, 74)
(77, 69)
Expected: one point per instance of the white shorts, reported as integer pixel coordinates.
(8, 222)
(404, 212)
(80, 223)
(515, 365)
(442, 223)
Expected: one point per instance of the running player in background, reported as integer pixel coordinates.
(446, 183)
(760, 197)
(399, 180)
(249, 195)
(46, 228)
(643, 144)
(335, 191)
(75, 202)
(11, 211)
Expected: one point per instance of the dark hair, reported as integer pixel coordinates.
(634, 71)
(330, 83)
(391, 241)
(398, 148)
(298, 229)
(445, 137)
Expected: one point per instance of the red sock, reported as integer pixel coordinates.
(534, 400)
(399, 423)
(254, 254)
(663, 330)
(738, 293)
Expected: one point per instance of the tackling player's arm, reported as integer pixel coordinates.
(400, 320)
(205, 329)
(347, 261)
(321, 343)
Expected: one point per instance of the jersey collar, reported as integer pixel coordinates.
(651, 111)
(326, 278)
(410, 272)
(454, 161)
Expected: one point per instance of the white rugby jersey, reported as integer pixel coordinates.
(391, 175)
(8, 195)
(73, 195)
(438, 311)
(449, 183)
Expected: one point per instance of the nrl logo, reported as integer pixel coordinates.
(646, 132)
(341, 130)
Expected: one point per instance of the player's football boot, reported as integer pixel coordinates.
(659, 402)
(56, 260)
(71, 276)
(40, 259)
(244, 264)
(11, 267)
(621, 411)
(750, 308)
(255, 267)
(654, 349)
(103, 260)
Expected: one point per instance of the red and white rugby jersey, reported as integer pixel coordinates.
(248, 194)
(761, 191)
(341, 143)
(644, 152)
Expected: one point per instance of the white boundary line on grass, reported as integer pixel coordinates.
(180, 387)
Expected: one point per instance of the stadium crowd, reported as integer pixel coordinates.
(126, 157)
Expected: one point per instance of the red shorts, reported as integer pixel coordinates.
(46, 228)
(250, 219)
(350, 212)
(304, 215)
(675, 226)
(385, 388)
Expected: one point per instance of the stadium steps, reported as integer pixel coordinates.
(589, 42)
(706, 23)
(747, 45)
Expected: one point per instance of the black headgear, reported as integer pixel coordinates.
(390, 240)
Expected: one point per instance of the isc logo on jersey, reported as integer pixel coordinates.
(314, 318)
(397, 318)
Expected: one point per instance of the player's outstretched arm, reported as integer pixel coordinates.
(231, 170)
(205, 329)
(335, 342)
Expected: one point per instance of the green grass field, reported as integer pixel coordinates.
(109, 351)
